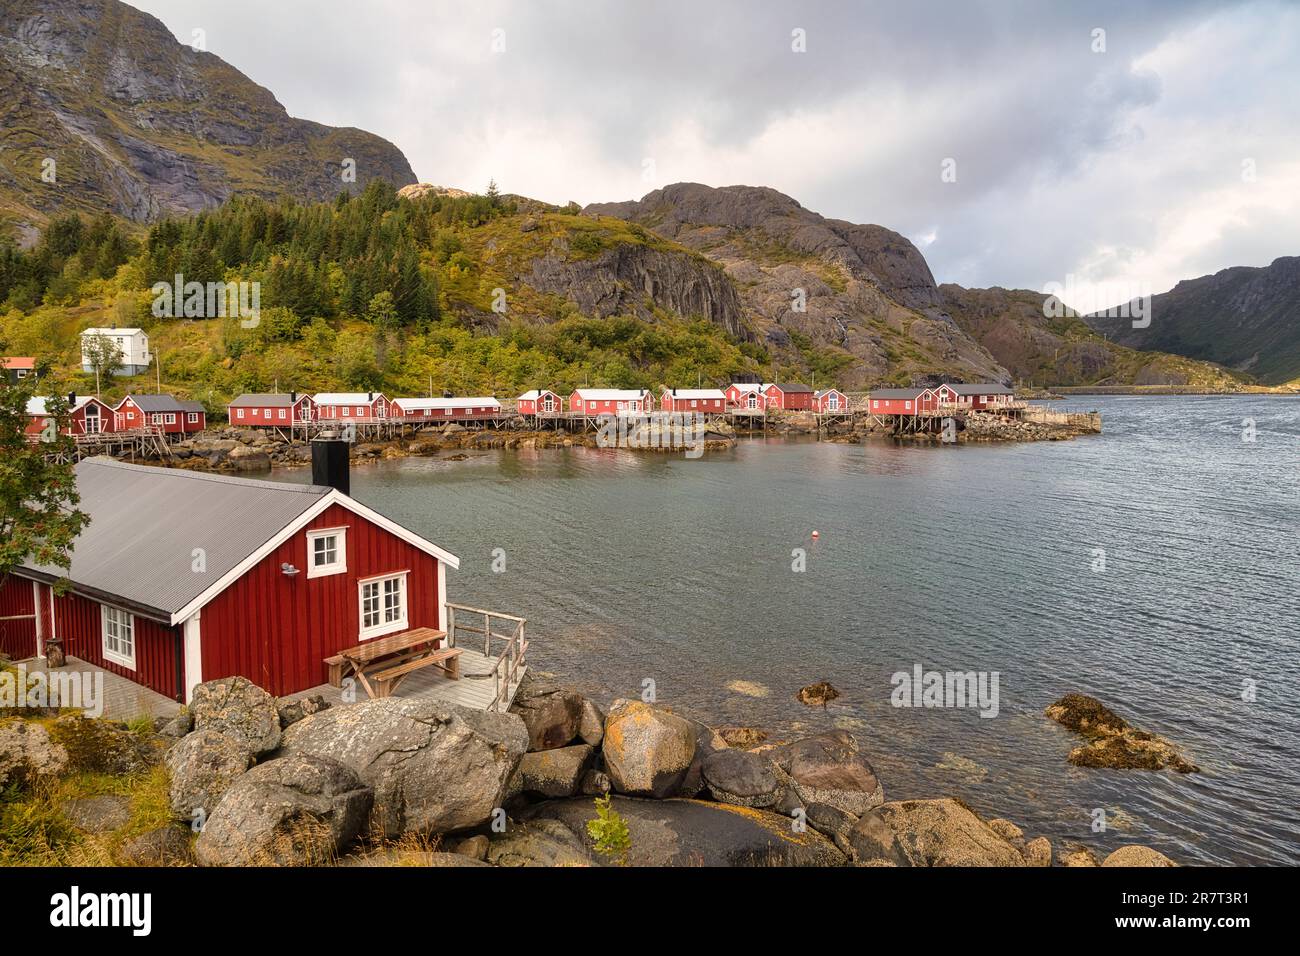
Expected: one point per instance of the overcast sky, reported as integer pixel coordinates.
(1173, 153)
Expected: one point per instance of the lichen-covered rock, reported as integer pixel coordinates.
(1009, 832)
(434, 768)
(98, 814)
(1114, 743)
(237, 707)
(28, 754)
(741, 778)
(554, 773)
(105, 746)
(1137, 856)
(1079, 857)
(298, 810)
(829, 768)
(591, 724)
(553, 714)
(202, 765)
(817, 695)
(165, 846)
(292, 711)
(933, 833)
(743, 737)
(539, 843)
(1037, 852)
(648, 751)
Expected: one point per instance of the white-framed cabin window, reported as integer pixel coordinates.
(118, 635)
(383, 605)
(192, 418)
(239, 413)
(327, 552)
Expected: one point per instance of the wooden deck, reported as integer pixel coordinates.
(475, 689)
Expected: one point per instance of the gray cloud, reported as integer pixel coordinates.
(1109, 166)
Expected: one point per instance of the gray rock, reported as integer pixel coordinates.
(539, 843)
(293, 711)
(297, 810)
(105, 746)
(27, 754)
(591, 724)
(554, 773)
(474, 847)
(872, 839)
(165, 846)
(203, 764)
(239, 708)
(596, 783)
(828, 768)
(932, 833)
(647, 751)
(101, 814)
(433, 768)
(177, 726)
(741, 778)
(552, 714)
(679, 832)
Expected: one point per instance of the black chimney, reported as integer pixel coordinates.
(329, 463)
(293, 398)
(72, 399)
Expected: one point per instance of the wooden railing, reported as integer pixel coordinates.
(512, 657)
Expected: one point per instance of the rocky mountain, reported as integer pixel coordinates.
(1245, 318)
(137, 124)
(852, 303)
(1014, 325)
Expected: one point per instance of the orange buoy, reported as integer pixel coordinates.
(817, 534)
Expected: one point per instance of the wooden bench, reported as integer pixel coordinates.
(386, 680)
(386, 653)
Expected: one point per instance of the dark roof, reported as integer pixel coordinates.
(164, 403)
(145, 524)
(791, 387)
(266, 399)
(896, 392)
(987, 388)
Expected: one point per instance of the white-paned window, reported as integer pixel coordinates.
(327, 552)
(192, 417)
(119, 636)
(239, 413)
(383, 605)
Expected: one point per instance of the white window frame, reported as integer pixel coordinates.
(282, 415)
(239, 413)
(384, 627)
(340, 563)
(192, 418)
(127, 621)
(171, 418)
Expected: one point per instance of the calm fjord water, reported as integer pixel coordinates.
(639, 566)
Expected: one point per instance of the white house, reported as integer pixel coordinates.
(133, 344)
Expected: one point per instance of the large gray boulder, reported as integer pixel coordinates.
(298, 810)
(648, 752)
(239, 708)
(930, 833)
(828, 768)
(203, 765)
(434, 768)
(27, 754)
(673, 832)
(552, 713)
(554, 773)
(741, 778)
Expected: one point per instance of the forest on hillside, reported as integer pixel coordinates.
(371, 291)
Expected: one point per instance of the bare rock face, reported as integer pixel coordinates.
(552, 713)
(554, 773)
(433, 768)
(297, 810)
(648, 751)
(931, 833)
(144, 126)
(1114, 743)
(741, 778)
(828, 768)
(203, 765)
(237, 707)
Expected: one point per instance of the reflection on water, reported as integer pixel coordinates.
(643, 567)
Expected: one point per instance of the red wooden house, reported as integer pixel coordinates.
(747, 396)
(173, 416)
(422, 410)
(790, 396)
(830, 401)
(87, 415)
(223, 576)
(271, 410)
(975, 397)
(354, 407)
(902, 401)
(596, 402)
(539, 402)
(707, 401)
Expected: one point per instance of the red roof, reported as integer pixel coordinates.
(17, 362)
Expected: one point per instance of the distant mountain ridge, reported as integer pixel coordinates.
(142, 126)
(1246, 318)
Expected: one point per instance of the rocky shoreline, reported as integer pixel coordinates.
(558, 781)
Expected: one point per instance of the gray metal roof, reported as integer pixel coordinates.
(896, 392)
(792, 387)
(145, 524)
(164, 403)
(265, 400)
(988, 388)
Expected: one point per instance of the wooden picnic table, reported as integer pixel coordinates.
(380, 665)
